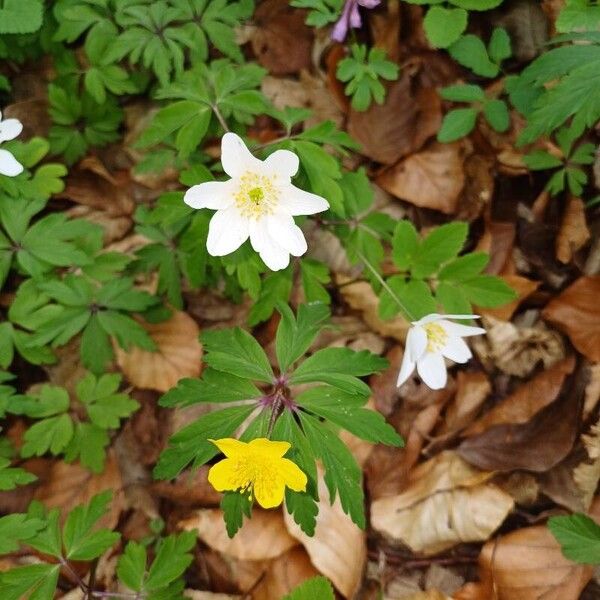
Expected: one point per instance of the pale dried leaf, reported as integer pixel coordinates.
(592, 391)
(178, 354)
(587, 473)
(200, 595)
(574, 232)
(472, 389)
(433, 178)
(339, 547)
(446, 502)
(262, 537)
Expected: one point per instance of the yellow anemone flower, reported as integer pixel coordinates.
(256, 467)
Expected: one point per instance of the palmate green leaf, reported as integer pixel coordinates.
(443, 26)
(339, 367)
(34, 582)
(497, 115)
(456, 124)
(440, 246)
(412, 298)
(11, 477)
(405, 244)
(488, 291)
(315, 276)
(540, 160)
(578, 15)
(346, 411)
(276, 288)
(311, 589)
(88, 444)
(80, 540)
(95, 348)
(295, 334)
(471, 52)
(342, 473)
(21, 16)
(191, 445)
(464, 267)
(476, 4)
(452, 298)
(17, 528)
(131, 567)
(50, 435)
(235, 507)
(214, 386)
(463, 92)
(172, 559)
(235, 351)
(579, 537)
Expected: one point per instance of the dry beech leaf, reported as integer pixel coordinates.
(573, 233)
(587, 474)
(577, 312)
(537, 445)
(527, 564)
(428, 595)
(517, 350)
(592, 391)
(445, 503)
(360, 296)
(199, 595)
(472, 388)
(262, 537)
(523, 287)
(338, 549)
(69, 485)
(178, 354)
(528, 399)
(433, 178)
(399, 126)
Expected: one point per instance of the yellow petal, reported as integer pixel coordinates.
(230, 446)
(225, 476)
(269, 494)
(292, 475)
(269, 447)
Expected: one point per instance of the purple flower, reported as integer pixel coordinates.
(350, 18)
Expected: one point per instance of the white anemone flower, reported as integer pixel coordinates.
(9, 130)
(429, 341)
(258, 202)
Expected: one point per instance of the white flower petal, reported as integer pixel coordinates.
(286, 233)
(432, 370)
(295, 201)
(406, 369)
(227, 231)
(437, 317)
(273, 255)
(211, 194)
(283, 163)
(459, 330)
(416, 343)
(10, 129)
(9, 165)
(235, 156)
(456, 349)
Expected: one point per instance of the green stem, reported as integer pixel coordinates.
(220, 117)
(386, 287)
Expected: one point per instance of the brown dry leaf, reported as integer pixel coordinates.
(471, 391)
(115, 227)
(339, 547)
(445, 503)
(527, 564)
(433, 178)
(574, 232)
(517, 350)
(189, 488)
(200, 595)
(592, 391)
(401, 125)
(69, 485)
(527, 399)
(91, 184)
(428, 595)
(178, 354)
(577, 312)
(522, 286)
(262, 537)
(479, 187)
(587, 474)
(360, 296)
(281, 40)
(529, 445)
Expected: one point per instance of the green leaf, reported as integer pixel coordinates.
(88, 444)
(131, 566)
(50, 435)
(312, 589)
(443, 26)
(579, 537)
(497, 115)
(413, 298)
(21, 16)
(499, 46)
(471, 52)
(456, 124)
(452, 298)
(235, 351)
(340, 368)
(464, 267)
(81, 543)
(488, 291)
(405, 244)
(463, 92)
(215, 386)
(295, 335)
(540, 160)
(276, 288)
(10, 478)
(36, 582)
(346, 411)
(315, 275)
(578, 15)
(440, 246)
(17, 528)
(235, 506)
(172, 559)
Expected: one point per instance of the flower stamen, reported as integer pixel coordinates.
(257, 195)
(437, 337)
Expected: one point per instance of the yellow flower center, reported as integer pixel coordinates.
(255, 470)
(256, 196)
(437, 337)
